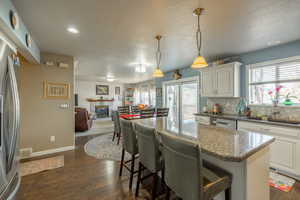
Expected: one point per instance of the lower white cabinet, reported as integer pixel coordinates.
(285, 151)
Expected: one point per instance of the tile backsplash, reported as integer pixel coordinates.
(229, 107)
(228, 104)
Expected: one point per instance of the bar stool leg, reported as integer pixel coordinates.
(168, 193)
(122, 161)
(138, 180)
(228, 194)
(114, 136)
(131, 171)
(119, 137)
(154, 185)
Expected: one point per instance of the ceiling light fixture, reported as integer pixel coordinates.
(73, 30)
(200, 61)
(140, 68)
(109, 79)
(158, 73)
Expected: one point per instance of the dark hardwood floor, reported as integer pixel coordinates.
(86, 178)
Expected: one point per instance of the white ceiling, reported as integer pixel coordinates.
(116, 34)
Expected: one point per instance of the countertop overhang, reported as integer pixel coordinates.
(224, 144)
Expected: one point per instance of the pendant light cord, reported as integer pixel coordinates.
(158, 53)
(199, 37)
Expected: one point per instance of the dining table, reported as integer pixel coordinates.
(244, 154)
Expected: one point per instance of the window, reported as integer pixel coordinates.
(145, 94)
(275, 81)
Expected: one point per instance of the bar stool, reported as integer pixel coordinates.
(162, 112)
(130, 146)
(149, 155)
(123, 110)
(188, 176)
(117, 127)
(147, 113)
(135, 110)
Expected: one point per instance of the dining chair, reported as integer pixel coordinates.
(148, 113)
(123, 110)
(117, 126)
(190, 177)
(129, 145)
(162, 112)
(134, 109)
(149, 157)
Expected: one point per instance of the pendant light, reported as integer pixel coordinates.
(200, 61)
(158, 73)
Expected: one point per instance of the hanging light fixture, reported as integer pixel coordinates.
(158, 73)
(200, 61)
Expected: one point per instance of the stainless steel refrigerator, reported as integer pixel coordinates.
(9, 124)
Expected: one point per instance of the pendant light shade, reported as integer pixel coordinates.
(200, 61)
(158, 73)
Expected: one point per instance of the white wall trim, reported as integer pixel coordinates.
(51, 151)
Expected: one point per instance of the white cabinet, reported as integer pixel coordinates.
(285, 151)
(221, 81)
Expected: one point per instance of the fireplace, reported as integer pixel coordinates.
(102, 111)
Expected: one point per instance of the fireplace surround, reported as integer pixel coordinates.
(102, 111)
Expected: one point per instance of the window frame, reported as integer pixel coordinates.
(267, 63)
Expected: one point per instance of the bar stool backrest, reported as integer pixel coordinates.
(129, 137)
(147, 113)
(135, 109)
(162, 112)
(123, 109)
(148, 144)
(183, 165)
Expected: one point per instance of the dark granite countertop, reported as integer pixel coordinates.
(228, 145)
(244, 118)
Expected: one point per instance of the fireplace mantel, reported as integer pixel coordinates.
(99, 100)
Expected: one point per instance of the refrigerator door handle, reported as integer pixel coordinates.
(16, 104)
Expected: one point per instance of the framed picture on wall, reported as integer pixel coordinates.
(56, 90)
(102, 90)
(117, 90)
(159, 92)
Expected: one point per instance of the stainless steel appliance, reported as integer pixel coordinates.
(9, 124)
(226, 123)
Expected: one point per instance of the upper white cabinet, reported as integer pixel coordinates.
(221, 81)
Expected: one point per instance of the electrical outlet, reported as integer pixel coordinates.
(52, 138)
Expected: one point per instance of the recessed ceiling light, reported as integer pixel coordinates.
(273, 43)
(73, 30)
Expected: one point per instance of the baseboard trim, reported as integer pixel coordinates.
(51, 151)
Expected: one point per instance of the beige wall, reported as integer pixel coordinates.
(42, 118)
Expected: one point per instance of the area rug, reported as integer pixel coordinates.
(281, 182)
(102, 147)
(99, 127)
(36, 166)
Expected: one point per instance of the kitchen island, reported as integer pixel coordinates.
(244, 154)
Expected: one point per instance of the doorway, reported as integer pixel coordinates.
(182, 98)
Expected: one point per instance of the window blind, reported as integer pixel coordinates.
(275, 73)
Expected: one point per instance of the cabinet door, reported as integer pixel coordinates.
(207, 83)
(283, 154)
(225, 81)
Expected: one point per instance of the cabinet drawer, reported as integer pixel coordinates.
(269, 129)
